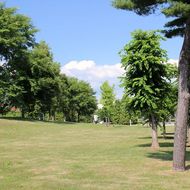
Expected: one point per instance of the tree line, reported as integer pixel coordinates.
(30, 79)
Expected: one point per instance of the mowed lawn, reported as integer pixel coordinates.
(49, 156)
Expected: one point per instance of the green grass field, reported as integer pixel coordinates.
(49, 156)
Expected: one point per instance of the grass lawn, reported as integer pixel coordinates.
(49, 156)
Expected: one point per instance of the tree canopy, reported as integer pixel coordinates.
(178, 10)
(107, 99)
(145, 76)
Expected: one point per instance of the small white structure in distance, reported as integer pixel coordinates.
(95, 119)
(100, 106)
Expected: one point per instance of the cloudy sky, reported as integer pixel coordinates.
(86, 36)
(95, 74)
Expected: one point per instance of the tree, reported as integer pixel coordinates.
(145, 76)
(38, 80)
(63, 98)
(82, 100)
(86, 100)
(122, 113)
(17, 36)
(107, 100)
(44, 80)
(178, 26)
(17, 33)
(169, 103)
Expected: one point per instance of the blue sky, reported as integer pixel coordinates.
(86, 35)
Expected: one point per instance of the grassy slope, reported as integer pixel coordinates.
(45, 156)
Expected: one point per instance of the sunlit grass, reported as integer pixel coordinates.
(48, 156)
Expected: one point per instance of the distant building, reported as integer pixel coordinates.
(95, 119)
(100, 106)
(173, 62)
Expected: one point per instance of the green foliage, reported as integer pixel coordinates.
(81, 100)
(169, 103)
(16, 36)
(145, 73)
(44, 80)
(30, 80)
(107, 99)
(17, 33)
(178, 10)
(122, 114)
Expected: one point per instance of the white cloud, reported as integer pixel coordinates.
(81, 65)
(95, 74)
(90, 68)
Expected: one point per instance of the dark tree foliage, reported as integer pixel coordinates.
(81, 100)
(17, 34)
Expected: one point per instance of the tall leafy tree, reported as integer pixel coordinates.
(87, 103)
(107, 99)
(145, 76)
(17, 35)
(82, 100)
(63, 98)
(179, 25)
(44, 79)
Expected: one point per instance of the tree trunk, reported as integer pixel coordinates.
(22, 114)
(183, 104)
(188, 136)
(164, 129)
(107, 123)
(49, 115)
(53, 116)
(155, 144)
(78, 117)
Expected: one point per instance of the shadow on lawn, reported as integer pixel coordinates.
(160, 137)
(165, 155)
(161, 155)
(162, 144)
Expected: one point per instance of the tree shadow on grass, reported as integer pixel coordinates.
(165, 156)
(162, 144)
(160, 137)
(161, 155)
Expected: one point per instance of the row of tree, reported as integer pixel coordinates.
(30, 79)
(116, 111)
